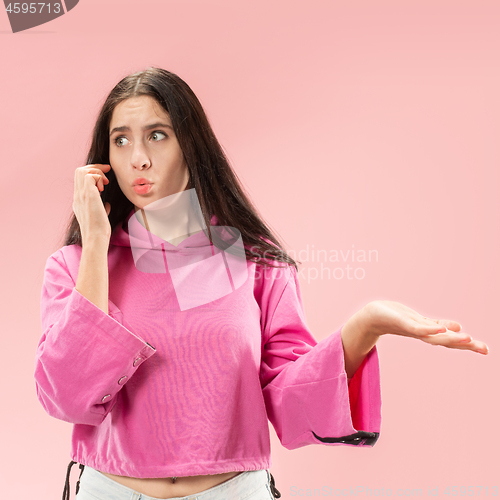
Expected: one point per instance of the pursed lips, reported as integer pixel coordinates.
(141, 182)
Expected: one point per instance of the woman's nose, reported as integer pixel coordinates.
(140, 158)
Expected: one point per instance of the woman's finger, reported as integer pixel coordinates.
(450, 324)
(447, 337)
(101, 176)
(456, 340)
(451, 340)
(474, 345)
(81, 172)
(437, 325)
(421, 326)
(91, 180)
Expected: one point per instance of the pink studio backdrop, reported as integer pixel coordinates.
(355, 127)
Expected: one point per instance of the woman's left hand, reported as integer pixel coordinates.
(387, 317)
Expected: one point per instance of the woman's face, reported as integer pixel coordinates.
(142, 144)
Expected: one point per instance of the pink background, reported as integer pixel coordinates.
(370, 125)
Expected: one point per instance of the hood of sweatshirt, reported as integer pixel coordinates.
(131, 233)
(200, 271)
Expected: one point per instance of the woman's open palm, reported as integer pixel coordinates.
(388, 317)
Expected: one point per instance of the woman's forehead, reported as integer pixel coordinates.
(139, 108)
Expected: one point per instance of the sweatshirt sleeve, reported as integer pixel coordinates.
(308, 397)
(84, 356)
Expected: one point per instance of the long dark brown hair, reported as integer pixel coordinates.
(218, 189)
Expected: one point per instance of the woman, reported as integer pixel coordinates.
(167, 354)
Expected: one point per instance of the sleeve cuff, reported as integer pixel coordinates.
(84, 359)
(324, 408)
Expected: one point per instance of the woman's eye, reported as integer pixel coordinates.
(119, 141)
(157, 134)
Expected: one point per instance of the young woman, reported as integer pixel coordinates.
(166, 353)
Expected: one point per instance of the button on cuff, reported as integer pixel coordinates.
(105, 398)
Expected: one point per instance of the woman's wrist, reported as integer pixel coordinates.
(93, 280)
(370, 323)
(358, 339)
(96, 242)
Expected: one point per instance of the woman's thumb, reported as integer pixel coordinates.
(107, 206)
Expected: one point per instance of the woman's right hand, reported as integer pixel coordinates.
(89, 210)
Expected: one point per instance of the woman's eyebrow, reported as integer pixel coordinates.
(147, 127)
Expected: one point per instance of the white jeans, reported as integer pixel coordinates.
(248, 485)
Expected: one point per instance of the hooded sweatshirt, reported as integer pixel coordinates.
(194, 358)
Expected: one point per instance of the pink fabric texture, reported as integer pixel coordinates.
(156, 391)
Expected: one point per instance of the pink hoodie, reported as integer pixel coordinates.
(156, 390)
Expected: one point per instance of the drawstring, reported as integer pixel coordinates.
(66, 484)
(79, 477)
(66, 490)
(274, 491)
